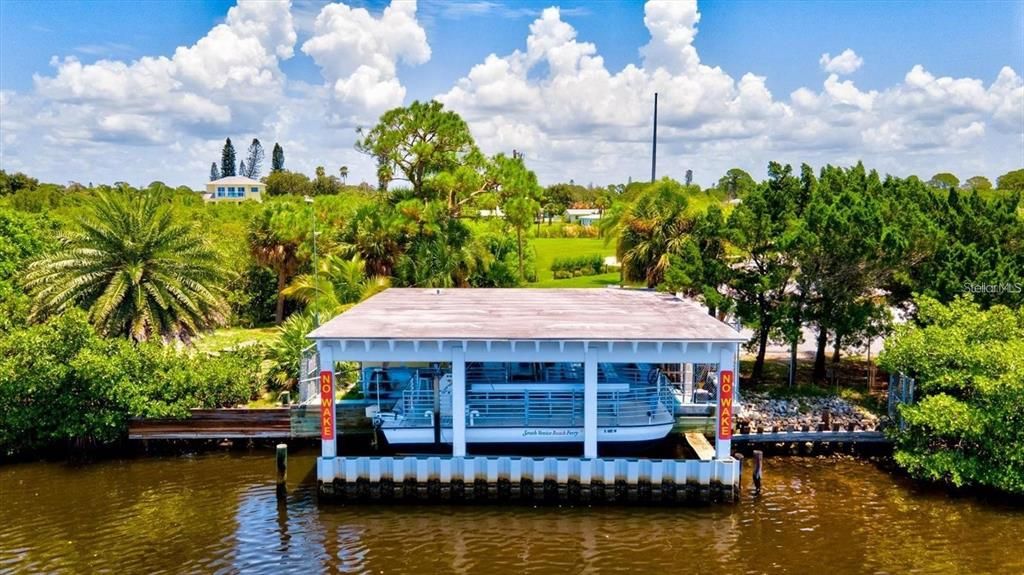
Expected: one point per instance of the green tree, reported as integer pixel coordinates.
(1013, 180)
(378, 235)
(275, 237)
(701, 267)
(277, 158)
(765, 269)
(964, 427)
(283, 183)
(520, 211)
(325, 185)
(736, 183)
(416, 142)
(285, 354)
(343, 172)
(976, 183)
(137, 271)
(214, 172)
(12, 183)
(254, 163)
(227, 159)
(650, 230)
(339, 284)
(944, 180)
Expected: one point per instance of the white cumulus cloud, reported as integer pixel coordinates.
(558, 101)
(164, 117)
(847, 62)
(358, 53)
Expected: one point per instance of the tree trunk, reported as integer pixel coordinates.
(792, 363)
(762, 346)
(279, 310)
(836, 346)
(819, 355)
(519, 238)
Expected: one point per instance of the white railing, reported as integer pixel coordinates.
(417, 408)
(309, 377)
(705, 389)
(640, 405)
(528, 408)
(630, 396)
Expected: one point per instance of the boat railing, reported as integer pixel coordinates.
(527, 408)
(485, 373)
(416, 408)
(639, 405)
(704, 389)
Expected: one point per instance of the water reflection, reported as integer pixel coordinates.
(220, 513)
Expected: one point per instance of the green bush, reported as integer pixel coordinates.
(576, 266)
(63, 385)
(966, 427)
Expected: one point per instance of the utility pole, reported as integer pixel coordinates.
(654, 147)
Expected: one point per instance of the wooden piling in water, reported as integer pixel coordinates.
(282, 468)
(758, 462)
(739, 474)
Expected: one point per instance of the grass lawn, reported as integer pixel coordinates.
(230, 337)
(550, 248)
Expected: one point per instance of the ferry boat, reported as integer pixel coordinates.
(520, 403)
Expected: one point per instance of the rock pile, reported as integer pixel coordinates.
(758, 410)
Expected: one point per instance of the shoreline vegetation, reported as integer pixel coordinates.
(119, 301)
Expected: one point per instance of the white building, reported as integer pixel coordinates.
(577, 215)
(234, 189)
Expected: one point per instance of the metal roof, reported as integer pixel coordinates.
(598, 314)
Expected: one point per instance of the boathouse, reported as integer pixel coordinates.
(465, 378)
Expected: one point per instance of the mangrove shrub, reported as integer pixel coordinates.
(62, 385)
(966, 427)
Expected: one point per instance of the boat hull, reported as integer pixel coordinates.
(624, 434)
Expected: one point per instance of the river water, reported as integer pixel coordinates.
(218, 513)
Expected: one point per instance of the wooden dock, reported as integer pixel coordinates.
(241, 423)
(812, 437)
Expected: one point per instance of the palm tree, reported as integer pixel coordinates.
(651, 229)
(343, 171)
(377, 234)
(339, 284)
(275, 236)
(137, 272)
(284, 355)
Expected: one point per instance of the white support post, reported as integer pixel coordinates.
(724, 413)
(328, 405)
(736, 362)
(688, 383)
(590, 402)
(458, 402)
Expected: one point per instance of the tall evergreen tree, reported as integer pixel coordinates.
(241, 168)
(277, 158)
(214, 172)
(227, 159)
(254, 160)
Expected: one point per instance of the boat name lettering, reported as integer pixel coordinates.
(551, 433)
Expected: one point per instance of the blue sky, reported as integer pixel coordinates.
(781, 43)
